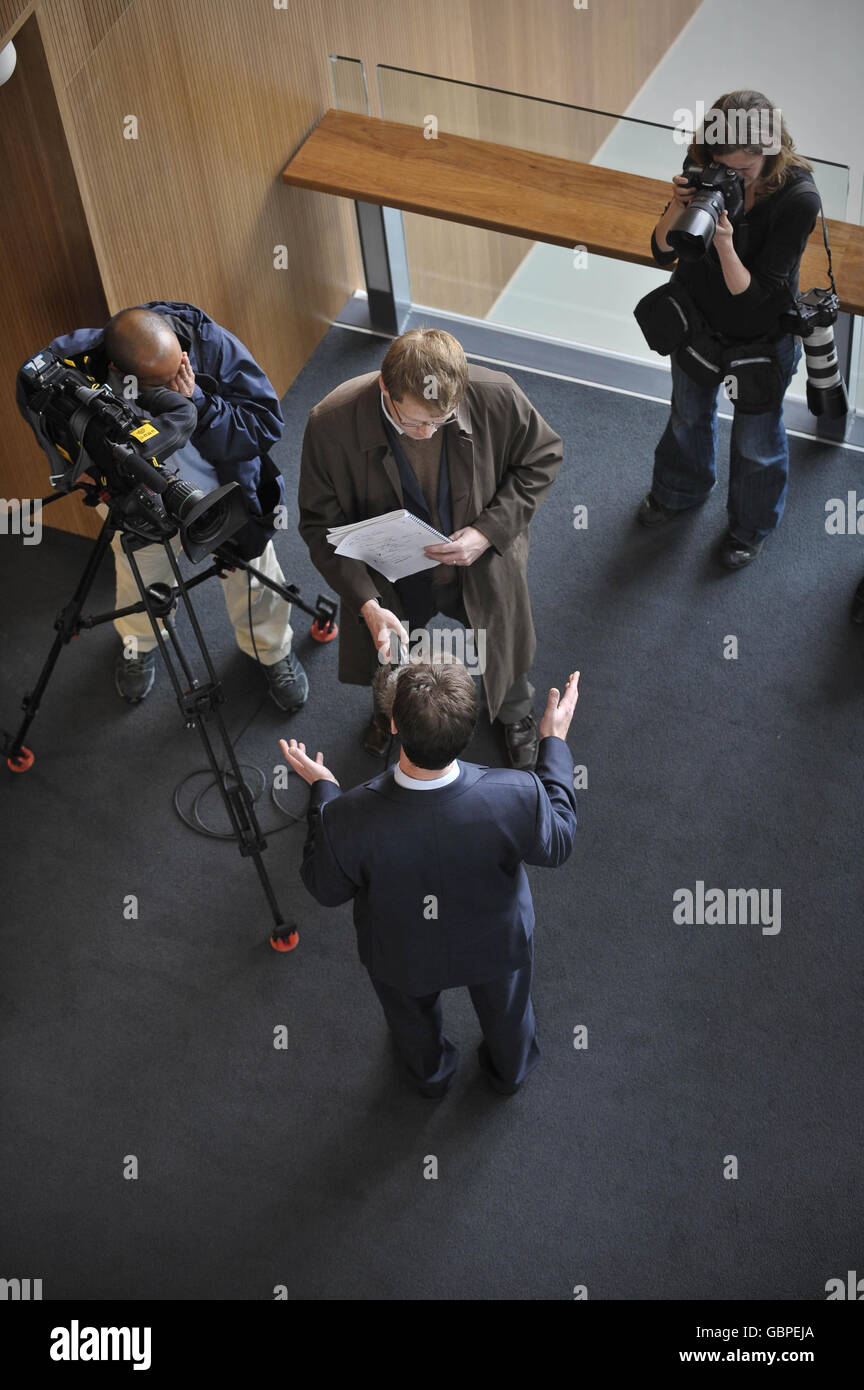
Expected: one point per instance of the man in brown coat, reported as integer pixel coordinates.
(463, 448)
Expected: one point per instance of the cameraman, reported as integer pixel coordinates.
(742, 285)
(178, 346)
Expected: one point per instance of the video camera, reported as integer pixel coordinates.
(84, 428)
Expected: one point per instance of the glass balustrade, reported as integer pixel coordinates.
(348, 80)
(547, 291)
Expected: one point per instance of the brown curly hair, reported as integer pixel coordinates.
(777, 165)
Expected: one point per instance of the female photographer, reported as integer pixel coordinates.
(741, 285)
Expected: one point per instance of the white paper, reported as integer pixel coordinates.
(392, 544)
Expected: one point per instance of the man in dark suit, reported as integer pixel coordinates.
(432, 851)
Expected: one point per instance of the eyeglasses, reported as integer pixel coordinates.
(420, 424)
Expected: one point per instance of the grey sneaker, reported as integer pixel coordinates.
(134, 677)
(289, 686)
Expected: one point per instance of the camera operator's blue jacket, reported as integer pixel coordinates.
(239, 416)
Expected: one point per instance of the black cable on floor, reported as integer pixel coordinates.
(195, 821)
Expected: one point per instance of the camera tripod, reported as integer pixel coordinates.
(199, 702)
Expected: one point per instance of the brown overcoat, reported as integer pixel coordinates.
(502, 457)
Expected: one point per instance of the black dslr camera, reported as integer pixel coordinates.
(84, 428)
(813, 319)
(716, 188)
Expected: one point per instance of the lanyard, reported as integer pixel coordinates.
(411, 489)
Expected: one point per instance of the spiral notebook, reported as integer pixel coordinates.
(392, 543)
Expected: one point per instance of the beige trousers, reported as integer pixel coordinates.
(270, 613)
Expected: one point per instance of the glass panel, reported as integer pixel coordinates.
(546, 290)
(348, 80)
(349, 85)
(568, 132)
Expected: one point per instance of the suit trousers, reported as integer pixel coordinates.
(509, 1051)
(270, 613)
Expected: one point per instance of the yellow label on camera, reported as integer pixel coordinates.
(144, 432)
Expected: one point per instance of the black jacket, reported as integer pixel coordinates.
(770, 241)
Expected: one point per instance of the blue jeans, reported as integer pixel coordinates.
(685, 468)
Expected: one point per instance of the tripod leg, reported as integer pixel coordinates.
(241, 811)
(324, 628)
(18, 757)
(154, 619)
(199, 705)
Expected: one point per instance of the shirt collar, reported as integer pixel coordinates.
(418, 784)
(396, 426)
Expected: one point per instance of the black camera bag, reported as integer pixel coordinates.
(758, 384)
(665, 316)
(672, 324)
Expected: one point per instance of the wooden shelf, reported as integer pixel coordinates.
(521, 193)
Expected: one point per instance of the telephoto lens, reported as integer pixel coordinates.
(717, 187)
(813, 319)
(826, 389)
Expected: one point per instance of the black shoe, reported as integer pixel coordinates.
(653, 513)
(735, 554)
(522, 741)
(857, 613)
(377, 736)
(288, 683)
(134, 678)
(485, 1062)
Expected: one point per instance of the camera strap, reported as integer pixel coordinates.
(827, 247)
(803, 184)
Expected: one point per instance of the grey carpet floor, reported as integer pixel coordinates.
(303, 1167)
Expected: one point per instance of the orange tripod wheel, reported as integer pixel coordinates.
(285, 943)
(22, 763)
(323, 634)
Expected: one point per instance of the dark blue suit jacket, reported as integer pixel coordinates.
(441, 896)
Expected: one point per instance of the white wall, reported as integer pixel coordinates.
(806, 55)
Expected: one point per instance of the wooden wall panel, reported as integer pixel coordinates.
(598, 57)
(193, 208)
(78, 29)
(12, 16)
(225, 90)
(459, 268)
(50, 278)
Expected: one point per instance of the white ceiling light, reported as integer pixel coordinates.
(7, 62)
